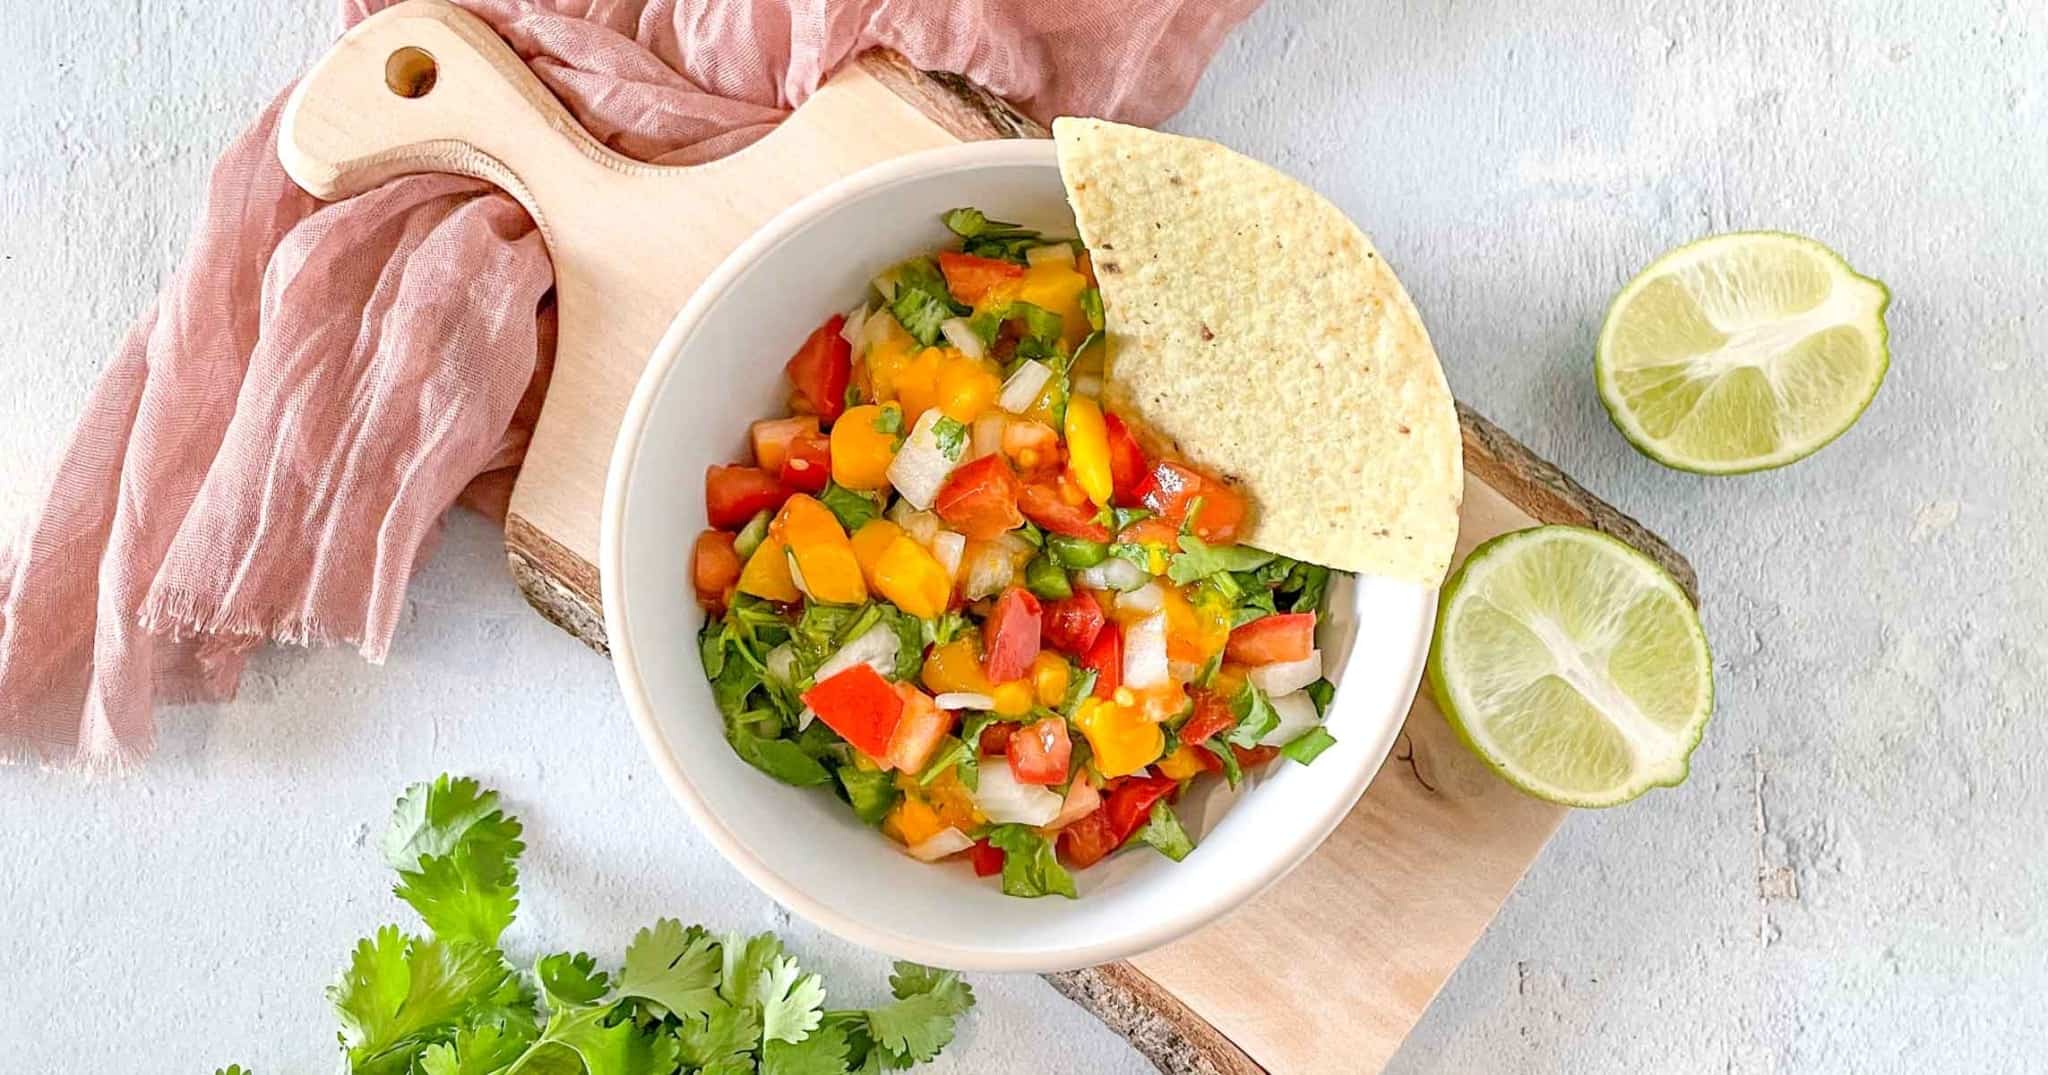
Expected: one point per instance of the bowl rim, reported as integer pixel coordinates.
(1157, 930)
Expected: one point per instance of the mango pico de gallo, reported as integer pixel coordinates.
(954, 589)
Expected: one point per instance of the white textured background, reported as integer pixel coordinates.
(1854, 879)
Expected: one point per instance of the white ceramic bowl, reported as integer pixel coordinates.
(719, 368)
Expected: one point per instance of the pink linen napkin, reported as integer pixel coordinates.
(269, 453)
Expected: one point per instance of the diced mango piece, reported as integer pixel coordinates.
(821, 551)
(862, 450)
(767, 573)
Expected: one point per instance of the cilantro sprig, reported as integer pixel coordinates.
(449, 1002)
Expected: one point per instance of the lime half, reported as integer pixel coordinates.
(1742, 352)
(1572, 665)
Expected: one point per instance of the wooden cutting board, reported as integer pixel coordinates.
(1352, 945)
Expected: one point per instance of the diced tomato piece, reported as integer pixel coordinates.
(1010, 637)
(714, 568)
(1126, 462)
(1131, 803)
(1088, 841)
(1212, 715)
(1042, 504)
(1171, 488)
(969, 278)
(733, 495)
(979, 499)
(995, 739)
(1106, 656)
(1289, 636)
(1154, 531)
(1040, 751)
(820, 369)
(861, 706)
(807, 463)
(987, 858)
(918, 730)
(1071, 624)
(1253, 757)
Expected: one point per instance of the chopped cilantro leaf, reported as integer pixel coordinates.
(1320, 693)
(1029, 867)
(871, 792)
(1199, 560)
(1091, 305)
(674, 967)
(1256, 717)
(1305, 747)
(1120, 518)
(945, 757)
(951, 437)
(1164, 833)
(890, 420)
(853, 510)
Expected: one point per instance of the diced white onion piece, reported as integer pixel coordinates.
(947, 548)
(1087, 384)
(1145, 653)
(1082, 799)
(1024, 387)
(919, 525)
(876, 648)
(885, 284)
(1115, 573)
(804, 719)
(1003, 800)
(992, 568)
(961, 335)
(1144, 600)
(873, 330)
(919, 468)
(1297, 715)
(1052, 254)
(856, 320)
(987, 436)
(940, 844)
(796, 574)
(964, 700)
(1286, 677)
(781, 663)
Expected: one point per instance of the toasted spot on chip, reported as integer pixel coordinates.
(1309, 376)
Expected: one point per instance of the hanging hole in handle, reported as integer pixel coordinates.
(410, 72)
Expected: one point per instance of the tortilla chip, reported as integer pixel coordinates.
(1256, 328)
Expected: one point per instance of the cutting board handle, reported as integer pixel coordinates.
(425, 86)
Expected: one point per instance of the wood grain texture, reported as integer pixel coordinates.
(1354, 943)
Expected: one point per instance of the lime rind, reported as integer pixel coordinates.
(1876, 301)
(1562, 714)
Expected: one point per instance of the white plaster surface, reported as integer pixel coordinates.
(1853, 880)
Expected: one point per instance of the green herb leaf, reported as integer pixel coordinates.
(920, 1022)
(948, 755)
(401, 994)
(851, 397)
(853, 510)
(780, 758)
(922, 302)
(890, 420)
(673, 967)
(486, 1049)
(940, 630)
(571, 978)
(950, 436)
(870, 792)
(468, 895)
(745, 960)
(1029, 866)
(1256, 717)
(604, 1047)
(1164, 833)
(1310, 744)
(435, 818)
(1232, 772)
(1122, 518)
(1207, 675)
(823, 1052)
(968, 222)
(1091, 305)
(1320, 693)
(726, 1030)
(1199, 560)
(791, 1001)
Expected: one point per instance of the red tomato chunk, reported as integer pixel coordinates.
(808, 463)
(1042, 504)
(1040, 751)
(714, 568)
(1290, 636)
(979, 499)
(1171, 488)
(733, 495)
(1011, 635)
(820, 369)
(1071, 624)
(861, 706)
(1106, 656)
